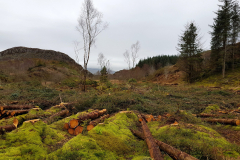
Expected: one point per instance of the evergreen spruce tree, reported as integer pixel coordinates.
(235, 23)
(221, 34)
(190, 50)
(104, 75)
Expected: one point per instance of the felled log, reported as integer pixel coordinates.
(16, 107)
(92, 115)
(208, 115)
(52, 117)
(78, 130)
(9, 128)
(73, 123)
(174, 153)
(95, 122)
(223, 121)
(17, 112)
(152, 146)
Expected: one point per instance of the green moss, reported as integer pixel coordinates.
(197, 140)
(142, 158)
(83, 147)
(232, 154)
(209, 109)
(29, 141)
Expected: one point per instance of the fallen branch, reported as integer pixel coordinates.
(223, 121)
(152, 146)
(174, 153)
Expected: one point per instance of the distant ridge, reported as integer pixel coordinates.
(25, 52)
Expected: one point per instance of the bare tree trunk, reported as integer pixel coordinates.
(224, 61)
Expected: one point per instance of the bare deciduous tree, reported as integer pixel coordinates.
(127, 58)
(135, 48)
(102, 61)
(90, 24)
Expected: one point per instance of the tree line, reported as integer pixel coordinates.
(158, 61)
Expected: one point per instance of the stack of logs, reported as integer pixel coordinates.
(209, 118)
(13, 110)
(75, 127)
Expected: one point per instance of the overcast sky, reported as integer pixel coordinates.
(156, 24)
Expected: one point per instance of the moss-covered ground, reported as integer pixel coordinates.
(113, 139)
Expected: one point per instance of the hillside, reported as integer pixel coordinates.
(24, 64)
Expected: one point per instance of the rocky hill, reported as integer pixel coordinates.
(24, 64)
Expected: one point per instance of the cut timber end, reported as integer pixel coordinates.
(78, 130)
(66, 126)
(73, 123)
(15, 122)
(90, 127)
(71, 131)
(238, 122)
(32, 121)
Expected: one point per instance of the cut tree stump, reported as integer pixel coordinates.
(174, 153)
(73, 123)
(95, 122)
(223, 121)
(58, 114)
(152, 146)
(78, 130)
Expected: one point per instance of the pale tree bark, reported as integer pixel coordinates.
(127, 58)
(135, 48)
(90, 25)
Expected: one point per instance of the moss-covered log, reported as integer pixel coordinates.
(174, 153)
(9, 128)
(223, 121)
(54, 116)
(95, 122)
(152, 146)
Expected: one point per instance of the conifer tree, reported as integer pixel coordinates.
(190, 50)
(221, 34)
(104, 75)
(235, 23)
